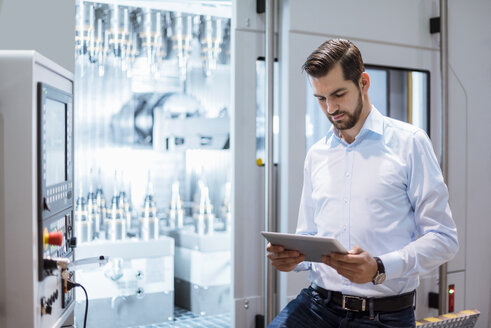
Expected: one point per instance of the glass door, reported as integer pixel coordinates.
(153, 162)
(404, 68)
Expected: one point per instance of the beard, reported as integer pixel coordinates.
(349, 120)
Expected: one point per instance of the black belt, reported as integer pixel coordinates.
(357, 303)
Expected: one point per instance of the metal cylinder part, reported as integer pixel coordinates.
(176, 218)
(204, 223)
(83, 231)
(149, 228)
(115, 229)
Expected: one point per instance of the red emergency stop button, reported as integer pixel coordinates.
(53, 238)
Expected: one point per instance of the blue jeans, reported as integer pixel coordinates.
(309, 310)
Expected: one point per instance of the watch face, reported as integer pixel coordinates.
(379, 278)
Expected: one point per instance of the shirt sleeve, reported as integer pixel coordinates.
(305, 225)
(428, 195)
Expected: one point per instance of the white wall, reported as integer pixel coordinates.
(470, 153)
(45, 26)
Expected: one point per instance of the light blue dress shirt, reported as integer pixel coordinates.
(385, 193)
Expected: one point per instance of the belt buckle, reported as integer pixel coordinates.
(349, 303)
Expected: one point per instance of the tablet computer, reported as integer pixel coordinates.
(313, 247)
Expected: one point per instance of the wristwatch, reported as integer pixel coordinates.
(380, 276)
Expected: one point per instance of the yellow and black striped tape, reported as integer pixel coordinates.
(464, 319)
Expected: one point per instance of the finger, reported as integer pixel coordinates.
(341, 267)
(338, 256)
(326, 259)
(350, 258)
(285, 254)
(283, 262)
(344, 271)
(332, 263)
(356, 250)
(338, 265)
(344, 268)
(347, 271)
(288, 261)
(337, 262)
(286, 268)
(356, 273)
(274, 248)
(341, 271)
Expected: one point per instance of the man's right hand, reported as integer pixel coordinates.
(282, 259)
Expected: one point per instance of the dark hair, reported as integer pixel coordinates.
(331, 52)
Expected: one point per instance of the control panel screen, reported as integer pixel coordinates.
(55, 142)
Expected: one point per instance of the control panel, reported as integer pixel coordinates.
(36, 209)
(58, 240)
(58, 244)
(55, 198)
(55, 145)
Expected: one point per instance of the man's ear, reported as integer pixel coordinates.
(364, 81)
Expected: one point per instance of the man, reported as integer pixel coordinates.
(374, 184)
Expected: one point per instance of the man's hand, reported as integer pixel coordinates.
(282, 259)
(358, 266)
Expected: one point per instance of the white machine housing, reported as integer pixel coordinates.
(20, 289)
(136, 287)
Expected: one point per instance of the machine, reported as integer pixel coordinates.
(36, 199)
(152, 154)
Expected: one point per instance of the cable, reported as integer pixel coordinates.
(70, 285)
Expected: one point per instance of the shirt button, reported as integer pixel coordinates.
(346, 282)
(347, 174)
(344, 228)
(346, 201)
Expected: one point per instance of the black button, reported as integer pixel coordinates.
(46, 204)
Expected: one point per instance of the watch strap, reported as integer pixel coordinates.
(380, 265)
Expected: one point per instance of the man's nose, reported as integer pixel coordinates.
(331, 108)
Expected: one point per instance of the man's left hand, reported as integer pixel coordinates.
(357, 266)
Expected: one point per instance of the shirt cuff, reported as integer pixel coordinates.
(303, 266)
(393, 263)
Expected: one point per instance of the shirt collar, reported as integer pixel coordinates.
(373, 123)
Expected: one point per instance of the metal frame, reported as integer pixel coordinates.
(269, 224)
(442, 306)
